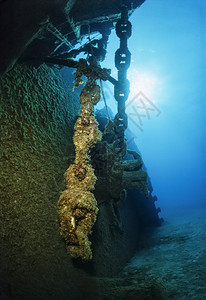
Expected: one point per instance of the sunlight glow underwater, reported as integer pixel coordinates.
(145, 82)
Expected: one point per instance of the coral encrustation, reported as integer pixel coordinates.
(77, 206)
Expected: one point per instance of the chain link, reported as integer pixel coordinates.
(122, 63)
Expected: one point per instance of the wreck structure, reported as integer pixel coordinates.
(47, 131)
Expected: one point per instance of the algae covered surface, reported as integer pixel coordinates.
(37, 113)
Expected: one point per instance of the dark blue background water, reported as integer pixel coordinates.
(169, 68)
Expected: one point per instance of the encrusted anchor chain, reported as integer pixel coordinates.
(77, 206)
(122, 63)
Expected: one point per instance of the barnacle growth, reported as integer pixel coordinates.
(77, 206)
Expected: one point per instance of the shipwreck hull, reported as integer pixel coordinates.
(38, 111)
(37, 120)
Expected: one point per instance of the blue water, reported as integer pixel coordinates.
(169, 68)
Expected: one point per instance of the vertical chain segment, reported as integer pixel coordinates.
(122, 63)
